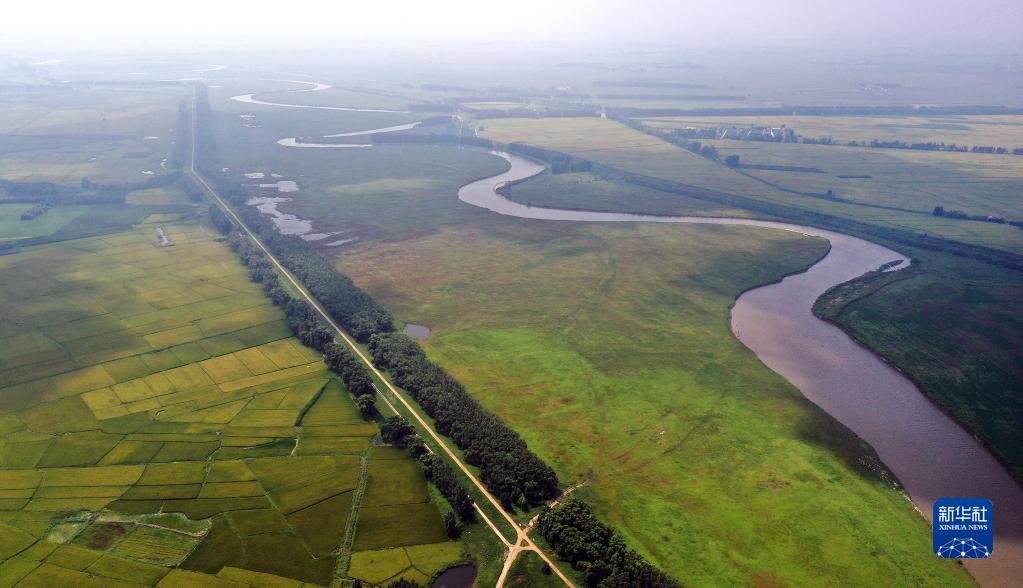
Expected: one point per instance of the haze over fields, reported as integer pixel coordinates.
(851, 24)
(457, 294)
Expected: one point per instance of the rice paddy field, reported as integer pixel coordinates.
(159, 425)
(967, 180)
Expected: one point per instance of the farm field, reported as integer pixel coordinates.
(615, 144)
(64, 223)
(159, 424)
(108, 135)
(621, 371)
(975, 183)
(12, 227)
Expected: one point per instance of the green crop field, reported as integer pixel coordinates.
(143, 379)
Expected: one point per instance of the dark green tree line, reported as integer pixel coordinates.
(596, 549)
(510, 470)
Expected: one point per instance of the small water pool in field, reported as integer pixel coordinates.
(418, 331)
(456, 577)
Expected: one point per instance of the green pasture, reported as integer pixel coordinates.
(12, 227)
(608, 348)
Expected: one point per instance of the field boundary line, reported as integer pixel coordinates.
(344, 560)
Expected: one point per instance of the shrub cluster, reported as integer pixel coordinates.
(37, 209)
(510, 470)
(596, 549)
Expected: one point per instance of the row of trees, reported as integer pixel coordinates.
(87, 192)
(922, 146)
(191, 189)
(958, 214)
(220, 220)
(182, 137)
(596, 549)
(515, 475)
(37, 209)
(307, 325)
(340, 360)
(346, 303)
(304, 322)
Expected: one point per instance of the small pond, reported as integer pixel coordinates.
(418, 331)
(456, 577)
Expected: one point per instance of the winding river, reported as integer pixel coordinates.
(930, 453)
(932, 456)
(316, 87)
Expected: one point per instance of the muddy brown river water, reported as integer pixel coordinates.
(930, 453)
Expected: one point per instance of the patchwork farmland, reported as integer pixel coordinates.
(159, 424)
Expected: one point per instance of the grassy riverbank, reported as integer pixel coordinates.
(956, 327)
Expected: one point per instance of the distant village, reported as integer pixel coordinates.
(784, 134)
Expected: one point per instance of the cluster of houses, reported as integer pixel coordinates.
(781, 134)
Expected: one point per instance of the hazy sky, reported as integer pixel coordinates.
(737, 22)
